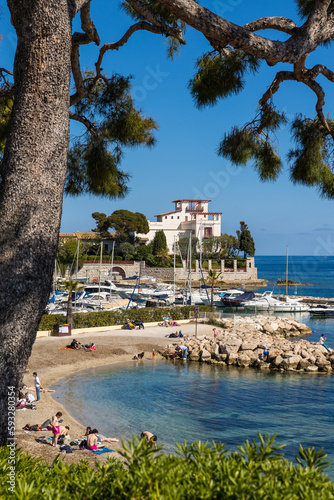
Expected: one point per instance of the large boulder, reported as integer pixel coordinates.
(205, 355)
(243, 359)
(291, 362)
(277, 361)
(232, 358)
(248, 345)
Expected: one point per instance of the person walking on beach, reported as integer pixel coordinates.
(322, 341)
(38, 386)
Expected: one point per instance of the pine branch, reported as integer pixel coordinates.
(82, 119)
(274, 23)
(165, 29)
(280, 77)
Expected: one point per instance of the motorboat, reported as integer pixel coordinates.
(239, 300)
(229, 295)
(322, 311)
(263, 303)
(267, 302)
(291, 305)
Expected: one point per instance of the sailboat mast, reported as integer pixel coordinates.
(190, 257)
(174, 265)
(76, 276)
(112, 265)
(100, 270)
(286, 275)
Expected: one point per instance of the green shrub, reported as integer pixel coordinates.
(118, 317)
(257, 470)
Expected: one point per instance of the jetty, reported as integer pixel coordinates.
(260, 342)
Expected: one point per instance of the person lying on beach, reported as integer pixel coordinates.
(173, 335)
(74, 345)
(57, 431)
(35, 427)
(24, 387)
(151, 439)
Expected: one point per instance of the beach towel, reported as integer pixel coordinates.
(99, 451)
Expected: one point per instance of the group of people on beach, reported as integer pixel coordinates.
(167, 321)
(77, 345)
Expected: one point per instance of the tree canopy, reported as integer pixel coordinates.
(159, 243)
(124, 222)
(236, 51)
(246, 242)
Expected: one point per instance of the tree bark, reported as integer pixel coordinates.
(35, 163)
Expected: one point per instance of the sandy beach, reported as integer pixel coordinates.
(53, 363)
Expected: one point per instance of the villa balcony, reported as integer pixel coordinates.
(196, 208)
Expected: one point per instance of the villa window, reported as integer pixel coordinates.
(207, 232)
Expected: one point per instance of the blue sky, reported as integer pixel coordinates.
(184, 163)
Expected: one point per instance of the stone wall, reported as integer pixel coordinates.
(91, 271)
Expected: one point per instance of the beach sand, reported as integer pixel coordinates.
(53, 363)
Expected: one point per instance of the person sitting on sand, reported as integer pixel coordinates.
(100, 438)
(92, 443)
(139, 323)
(30, 398)
(151, 439)
(129, 325)
(57, 431)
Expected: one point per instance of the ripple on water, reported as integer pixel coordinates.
(202, 402)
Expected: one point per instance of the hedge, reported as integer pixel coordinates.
(196, 471)
(119, 317)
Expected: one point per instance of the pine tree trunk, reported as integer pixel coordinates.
(33, 181)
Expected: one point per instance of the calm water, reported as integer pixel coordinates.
(190, 401)
(315, 272)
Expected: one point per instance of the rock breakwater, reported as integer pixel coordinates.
(260, 342)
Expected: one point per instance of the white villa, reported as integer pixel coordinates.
(188, 215)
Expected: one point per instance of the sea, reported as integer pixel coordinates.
(180, 401)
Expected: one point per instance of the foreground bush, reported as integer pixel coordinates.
(197, 471)
(117, 317)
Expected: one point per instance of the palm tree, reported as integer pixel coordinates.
(163, 254)
(72, 286)
(212, 279)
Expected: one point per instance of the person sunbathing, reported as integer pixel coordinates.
(35, 427)
(100, 438)
(92, 443)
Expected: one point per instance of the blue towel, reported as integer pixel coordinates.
(99, 451)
